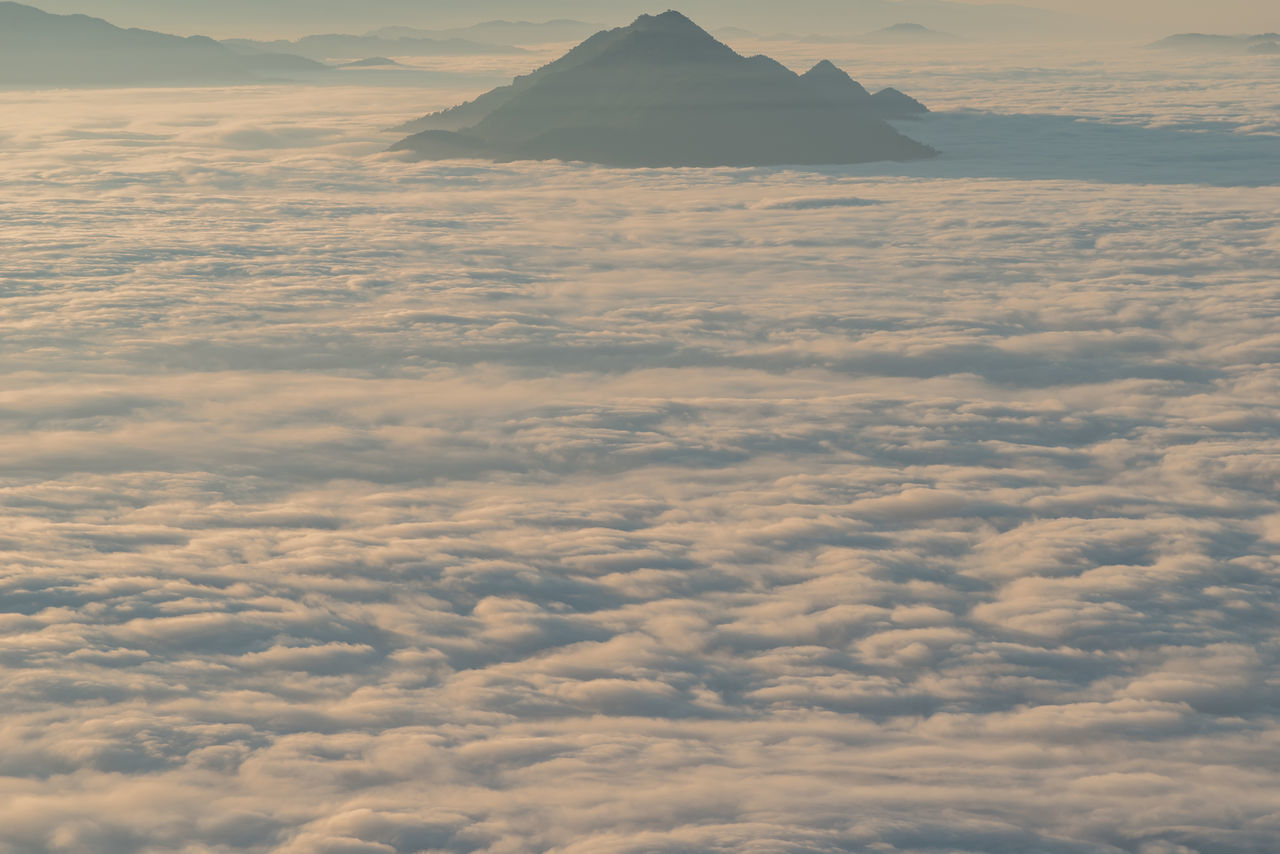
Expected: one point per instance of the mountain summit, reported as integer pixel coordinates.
(664, 92)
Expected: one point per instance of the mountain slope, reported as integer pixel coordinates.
(37, 48)
(471, 112)
(664, 92)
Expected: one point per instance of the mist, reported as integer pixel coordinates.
(1042, 19)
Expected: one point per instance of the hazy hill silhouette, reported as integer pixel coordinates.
(1214, 43)
(342, 46)
(499, 32)
(37, 48)
(373, 62)
(664, 92)
(909, 33)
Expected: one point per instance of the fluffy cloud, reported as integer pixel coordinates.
(354, 506)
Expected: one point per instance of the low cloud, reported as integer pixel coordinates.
(354, 506)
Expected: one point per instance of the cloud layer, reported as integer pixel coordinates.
(354, 506)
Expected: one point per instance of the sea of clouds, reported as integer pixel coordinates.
(353, 506)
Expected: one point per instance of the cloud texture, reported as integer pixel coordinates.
(356, 507)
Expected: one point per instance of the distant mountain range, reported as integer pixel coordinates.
(664, 92)
(341, 47)
(373, 62)
(1261, 43)
(491, 38)
(840, 18)
(897, 34)
(500, 32)
(908, 34)
(40, 49)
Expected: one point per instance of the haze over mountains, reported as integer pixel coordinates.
(664, 92)
(291, 18)
(343, 46)
(43, 49)
(908, 33)
(499, 32)
(37, 48)
(1049, 19)
(904, 33)
(1261, 43)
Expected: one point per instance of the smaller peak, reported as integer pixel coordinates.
(834, 82)
(828, 72)
(907, 28)
(768, 62)
(896, 103)
(826, 66)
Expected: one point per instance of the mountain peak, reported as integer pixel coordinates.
(664, 92)
(668, 38)
(834, 82)
(896, 104)
(827, 70)
(669, 21)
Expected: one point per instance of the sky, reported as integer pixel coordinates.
(1094, 18)
(1230, 16)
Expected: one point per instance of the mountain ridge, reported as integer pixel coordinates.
(1219, 43)
(499, 31)
(39, 48)
(325, 46)
(664, 92)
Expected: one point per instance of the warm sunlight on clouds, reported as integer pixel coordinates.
(360, 506)
(354, 505)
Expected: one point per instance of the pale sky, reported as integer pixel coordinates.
(1152, 18)
(1161, 15)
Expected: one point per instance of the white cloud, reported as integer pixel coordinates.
(358, 506)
